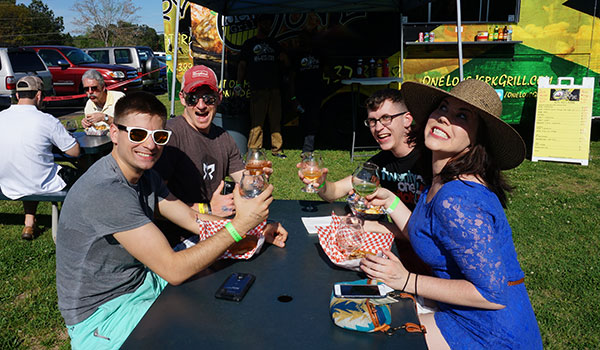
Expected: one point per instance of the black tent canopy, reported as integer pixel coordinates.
(252, 7)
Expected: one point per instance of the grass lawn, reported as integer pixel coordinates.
(554, 212)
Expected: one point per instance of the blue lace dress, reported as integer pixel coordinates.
(463, 233)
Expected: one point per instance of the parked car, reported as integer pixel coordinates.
(67, 64)
(16, 63)
(139, 57)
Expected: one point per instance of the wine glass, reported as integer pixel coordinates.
(252, 184)
(365, 181)
(256, 160)
(71, 125)
(349, 235)
(311, 169)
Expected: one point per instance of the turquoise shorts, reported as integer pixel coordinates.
(110, 325)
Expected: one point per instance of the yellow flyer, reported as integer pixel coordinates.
(563, 121)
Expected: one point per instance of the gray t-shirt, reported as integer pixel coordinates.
(92, 268)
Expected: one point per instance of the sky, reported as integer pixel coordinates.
(150, 13)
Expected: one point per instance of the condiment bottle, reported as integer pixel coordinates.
(496, 33)
(372, 72)
(379, 69)
(386, 68)
(510, 33)
(359, 69)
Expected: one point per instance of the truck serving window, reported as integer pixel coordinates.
(473, 11)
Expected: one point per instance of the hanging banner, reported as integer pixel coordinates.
(563, 121)
(198, 38)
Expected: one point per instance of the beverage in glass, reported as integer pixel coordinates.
(311, 169)
(251, 184)
(256, 160)
(349, 235)
(365, 181)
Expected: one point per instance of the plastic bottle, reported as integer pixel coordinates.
(359, 69)
(505, 33)
(491, 33)
(379, 69)
(496, 33)
(500, 34)
(509, 34)
(386, 68)
(372, 72)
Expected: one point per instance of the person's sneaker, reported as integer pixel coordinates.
(279, 155)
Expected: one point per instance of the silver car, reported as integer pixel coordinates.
(139, 57)
(16, 63)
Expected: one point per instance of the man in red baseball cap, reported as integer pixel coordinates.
(199, 154)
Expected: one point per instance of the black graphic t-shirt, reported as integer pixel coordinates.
(405, 176)
(193, 164)
(263, 68)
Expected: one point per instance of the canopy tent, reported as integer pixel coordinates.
(252, 7)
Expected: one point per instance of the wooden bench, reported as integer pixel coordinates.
(53, 197)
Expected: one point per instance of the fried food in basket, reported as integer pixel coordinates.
(359, 254)
(245, 245)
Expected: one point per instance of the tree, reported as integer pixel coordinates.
(26, 25)
(100, 18)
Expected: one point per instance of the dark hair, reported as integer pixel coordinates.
(27, 94)
(476, 161)
(378, 97)
(139, 102)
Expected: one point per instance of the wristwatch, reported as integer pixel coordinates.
(106, 117)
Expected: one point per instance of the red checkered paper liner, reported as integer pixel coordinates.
(373, 242)
(210, 228)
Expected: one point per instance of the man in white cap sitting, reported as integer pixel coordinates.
(27, 165)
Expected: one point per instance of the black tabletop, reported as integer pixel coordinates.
(190, 317)
(93, 144)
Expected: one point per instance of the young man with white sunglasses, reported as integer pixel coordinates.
(112, 261)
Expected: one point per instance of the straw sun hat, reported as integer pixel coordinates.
(504, 143)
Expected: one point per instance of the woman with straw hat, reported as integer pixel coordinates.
(459, 227)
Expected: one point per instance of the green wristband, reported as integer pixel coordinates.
(393, 206)
(322, 185)
(233, 232)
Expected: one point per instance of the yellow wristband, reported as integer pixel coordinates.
(201, 208)
(233, 232)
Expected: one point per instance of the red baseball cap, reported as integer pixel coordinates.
(198, 76)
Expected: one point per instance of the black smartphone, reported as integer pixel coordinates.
(228, 187)
(235, 286)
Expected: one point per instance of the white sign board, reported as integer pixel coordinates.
(563, 121)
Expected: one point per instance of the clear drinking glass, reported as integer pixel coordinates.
(349, 235)
(71, 125)
(256, 160)
(252, 184)
(365, 181)
(311, 165)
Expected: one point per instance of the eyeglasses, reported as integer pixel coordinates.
(193, 99)
(139, 135)
(385, 120)
(93, 88)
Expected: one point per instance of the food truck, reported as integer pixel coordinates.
(509, 44)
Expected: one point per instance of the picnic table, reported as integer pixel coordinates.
(287, 307)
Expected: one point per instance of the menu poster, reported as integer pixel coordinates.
(563, 121)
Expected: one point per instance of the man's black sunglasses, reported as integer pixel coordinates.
(193, 99)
